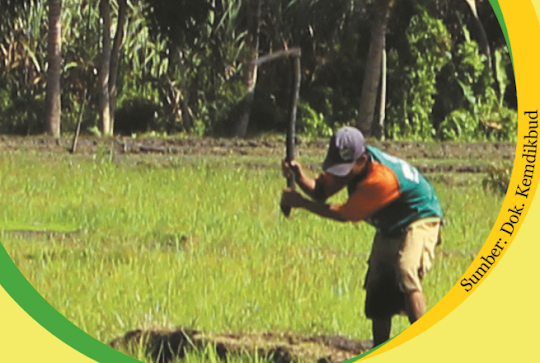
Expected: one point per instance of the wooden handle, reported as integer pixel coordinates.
(292, 125)
(295, 54)
(286, 210)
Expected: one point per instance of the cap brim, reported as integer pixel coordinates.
(338, 169)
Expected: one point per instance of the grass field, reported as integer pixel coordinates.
(200, 242)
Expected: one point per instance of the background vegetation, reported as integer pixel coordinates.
(182, 66)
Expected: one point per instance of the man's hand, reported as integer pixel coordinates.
(291, 168)
(292, 198)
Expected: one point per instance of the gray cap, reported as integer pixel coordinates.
(346, 146)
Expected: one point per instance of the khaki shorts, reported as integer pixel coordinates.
(397, 265)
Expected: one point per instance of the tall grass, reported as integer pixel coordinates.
(201, 243)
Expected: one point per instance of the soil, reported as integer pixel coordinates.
(164, 346)
(443, 157)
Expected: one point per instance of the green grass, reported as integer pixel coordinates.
(201, 243)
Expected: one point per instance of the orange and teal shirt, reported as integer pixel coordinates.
(390, 194)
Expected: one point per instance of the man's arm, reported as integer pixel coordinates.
(305, 182)
(296, 200)
(381, 189)
(318, 189)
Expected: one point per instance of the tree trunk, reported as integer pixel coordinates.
(250, 69)
(115, 58)
(54, 59)
(372, 73)
(104, 68)
(482, 39)
(382, 99)
(187, 115)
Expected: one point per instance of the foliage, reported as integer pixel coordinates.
(416, 72)
(480, 113)
(459, 124)
(311, 123)
(206, 48)
(22, 79)
(498, 178)
(185, 60)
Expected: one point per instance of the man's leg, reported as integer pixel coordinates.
(381, 329)
(415, 259)
(415, 304)
(383, 296)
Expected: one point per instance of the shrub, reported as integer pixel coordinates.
(311, 123)
(498, 178)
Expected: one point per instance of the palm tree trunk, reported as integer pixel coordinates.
(481, 32)
(382, 98)
(54, 59)
(104, 68)
(115, 57)
(372, 73)
(250, 69)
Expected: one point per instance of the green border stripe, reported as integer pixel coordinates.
(500, 17)
(368, 352)
(24, 294)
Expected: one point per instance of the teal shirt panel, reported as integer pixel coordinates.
(417, 198)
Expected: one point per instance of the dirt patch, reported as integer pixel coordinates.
(450, 158)
(33, 234)
(164, 346)
(230, 147)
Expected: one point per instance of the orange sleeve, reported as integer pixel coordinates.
(376, 191)
(327, 185)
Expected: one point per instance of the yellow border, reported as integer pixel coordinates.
(23, 340)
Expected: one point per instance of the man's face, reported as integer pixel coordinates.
(359, 166)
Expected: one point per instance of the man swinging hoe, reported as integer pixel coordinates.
(397, 200)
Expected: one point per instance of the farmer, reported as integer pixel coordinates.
(398, 201)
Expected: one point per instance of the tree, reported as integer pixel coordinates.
(109, 63)
(250, 69)
(104, 69)
(115, 58)
(187, 28)
(415, 73)
(382, 98)
(372, 74)
(54, 59)
(188, 67)
(481, 33)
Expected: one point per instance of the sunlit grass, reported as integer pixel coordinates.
(201, 243)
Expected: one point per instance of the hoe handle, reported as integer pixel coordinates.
(294, 54)
(292, 123)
